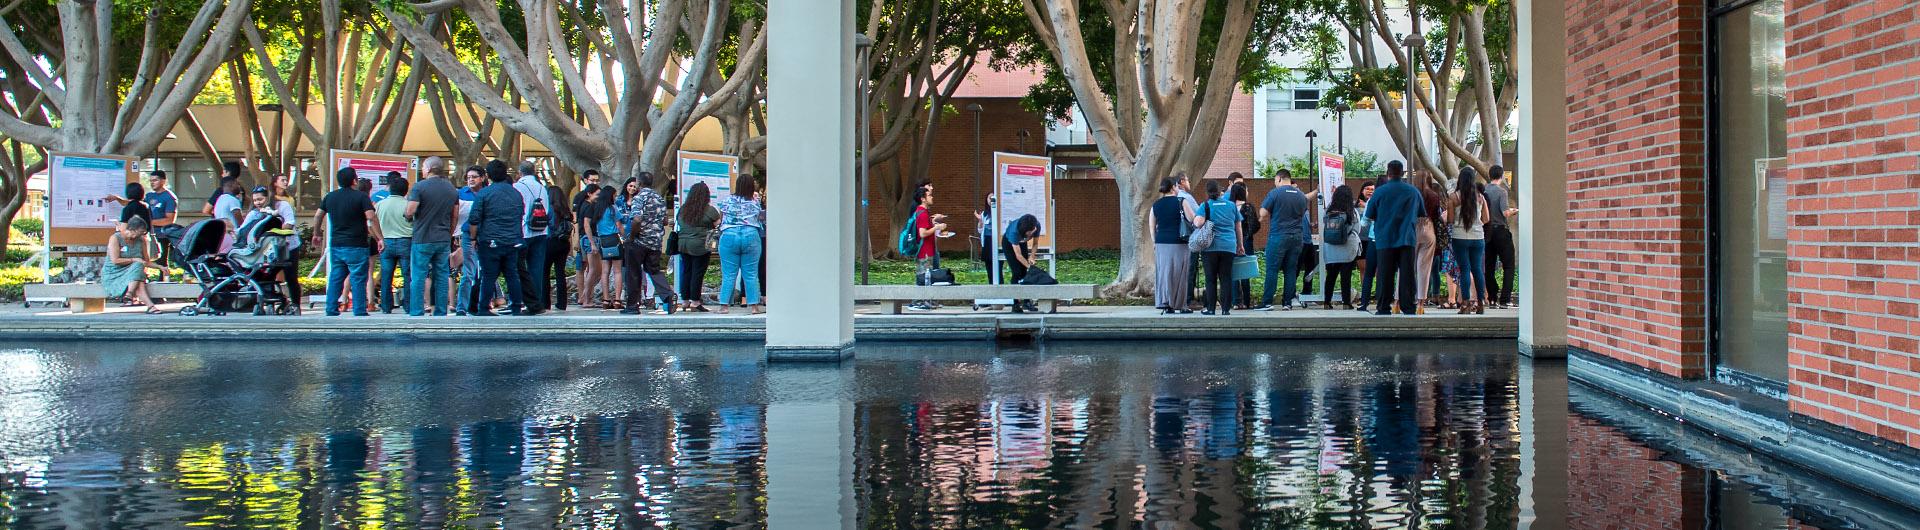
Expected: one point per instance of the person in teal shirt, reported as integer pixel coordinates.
(1218, 257)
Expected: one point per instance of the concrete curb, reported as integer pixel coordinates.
(936, 327)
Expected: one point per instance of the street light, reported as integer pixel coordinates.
(1413, 42)
(1340, 111)
(1311, 152)
(864, 50)
(973, 251)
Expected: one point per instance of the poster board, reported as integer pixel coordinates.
(717, 171)
(1022, 185)
(1772, 176)
(371, 166)
(77, 186)
(1333, 174)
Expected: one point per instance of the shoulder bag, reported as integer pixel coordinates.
(1202, 238)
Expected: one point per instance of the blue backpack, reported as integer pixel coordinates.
(909, 241)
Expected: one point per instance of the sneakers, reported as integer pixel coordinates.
(919, 307)
(1263, 308)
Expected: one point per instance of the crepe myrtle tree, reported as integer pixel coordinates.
(632, 44)
(1154, 80)
(76, 81)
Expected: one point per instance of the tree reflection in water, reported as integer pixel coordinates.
(1224, 435)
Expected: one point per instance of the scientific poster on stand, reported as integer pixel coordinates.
(1333, 173)
(1023, 186)
(717, 171)
(373, 167)
(80, 185)
(77, 189)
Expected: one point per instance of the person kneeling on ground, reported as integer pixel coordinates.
(1018, 248)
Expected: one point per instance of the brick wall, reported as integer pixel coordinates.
(1853, 103)
(1618, 484)
(1086, 208)
(1636, 219)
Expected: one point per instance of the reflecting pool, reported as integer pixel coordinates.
(1631, 468)
(514, 435)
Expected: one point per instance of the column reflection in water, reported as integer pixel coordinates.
(1212, 435)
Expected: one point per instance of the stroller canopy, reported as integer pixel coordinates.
(202, 239)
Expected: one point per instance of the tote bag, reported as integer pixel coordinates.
(1202, 237)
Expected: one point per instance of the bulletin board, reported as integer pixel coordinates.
(79, 213)
(1023, 185)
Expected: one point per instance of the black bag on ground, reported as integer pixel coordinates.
(1038, 276)
(937, 275)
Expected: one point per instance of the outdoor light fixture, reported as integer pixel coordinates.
(1340, 111)
(974, 250)
(1312, 152)
(1413, 42)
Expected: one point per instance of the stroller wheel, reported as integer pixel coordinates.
(189, 311)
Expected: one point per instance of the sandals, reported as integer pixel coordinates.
(151, 310)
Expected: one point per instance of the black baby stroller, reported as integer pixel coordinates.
(243, 279)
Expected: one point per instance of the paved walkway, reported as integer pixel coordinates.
(1081, 322)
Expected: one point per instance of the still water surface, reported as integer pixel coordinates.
(521, 435)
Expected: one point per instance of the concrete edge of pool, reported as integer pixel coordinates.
(930, 327)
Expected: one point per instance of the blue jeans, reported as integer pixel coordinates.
(497, 261)
(346, 264)
(533, 273)
(429, 262)
(740, 260)
(398, 252)
(469, 276)
(1283, 253)
(1470, 255)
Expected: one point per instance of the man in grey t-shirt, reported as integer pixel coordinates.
(1500, 246)
(433, 206)
(1285, 209)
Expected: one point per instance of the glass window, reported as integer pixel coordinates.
(1306, 99)
(1750, 219)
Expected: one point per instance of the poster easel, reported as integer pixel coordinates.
(717, 171)
(370, 166)
(1022, 185)
(1333, 174)
(78, 212)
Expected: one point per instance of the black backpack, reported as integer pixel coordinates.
(538, 219)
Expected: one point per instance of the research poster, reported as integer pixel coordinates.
(717, 171)
(1022, 186)
(78, 186)
(1333, 173)
(373, 167)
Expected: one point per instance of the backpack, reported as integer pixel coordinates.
(909, 241)
(537, 218)
(1339, 228)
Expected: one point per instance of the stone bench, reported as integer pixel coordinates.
(91, 298)
(900, 295)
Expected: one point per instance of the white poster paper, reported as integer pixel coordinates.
(78, 187)
(1774, 171)
(1333, 174)
(717, 171)
(1023, 191)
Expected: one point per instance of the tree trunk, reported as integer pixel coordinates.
(1136, 275)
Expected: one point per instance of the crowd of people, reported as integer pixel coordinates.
(1416, 242)
(500, 241)
(495, 243)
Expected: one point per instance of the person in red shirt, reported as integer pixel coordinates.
(929, 226)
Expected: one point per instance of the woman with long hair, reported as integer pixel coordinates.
(559, 246)
(1425, 245)
(1466, 223)
(124, 274)
(695, 224)
(1340, 239)
(601, 224)
(1170, 255)
(742, 220)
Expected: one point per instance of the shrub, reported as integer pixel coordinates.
(27, 226)
(16, 255)
(13, 281)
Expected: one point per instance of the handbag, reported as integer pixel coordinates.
(936, 275)
(609, 246)
(1202, 238)
(1245, 267)
(673, 243)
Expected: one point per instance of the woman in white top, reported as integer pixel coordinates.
(1466, 221)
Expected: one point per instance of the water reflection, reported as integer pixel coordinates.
(1630, 467)
(1222, 435)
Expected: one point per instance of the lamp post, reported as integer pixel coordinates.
(973, 251)
(1413, 42)
(863, 46)
(1340, 135)
(1311, 152)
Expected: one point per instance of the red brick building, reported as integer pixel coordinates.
(1743, 204)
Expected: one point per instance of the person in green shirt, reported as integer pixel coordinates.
(398, 252)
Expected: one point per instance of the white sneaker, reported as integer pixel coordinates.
(917, 307)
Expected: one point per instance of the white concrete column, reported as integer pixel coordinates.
(810, 447)
(1542, 181)
(1260, 123)
(810, 145)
